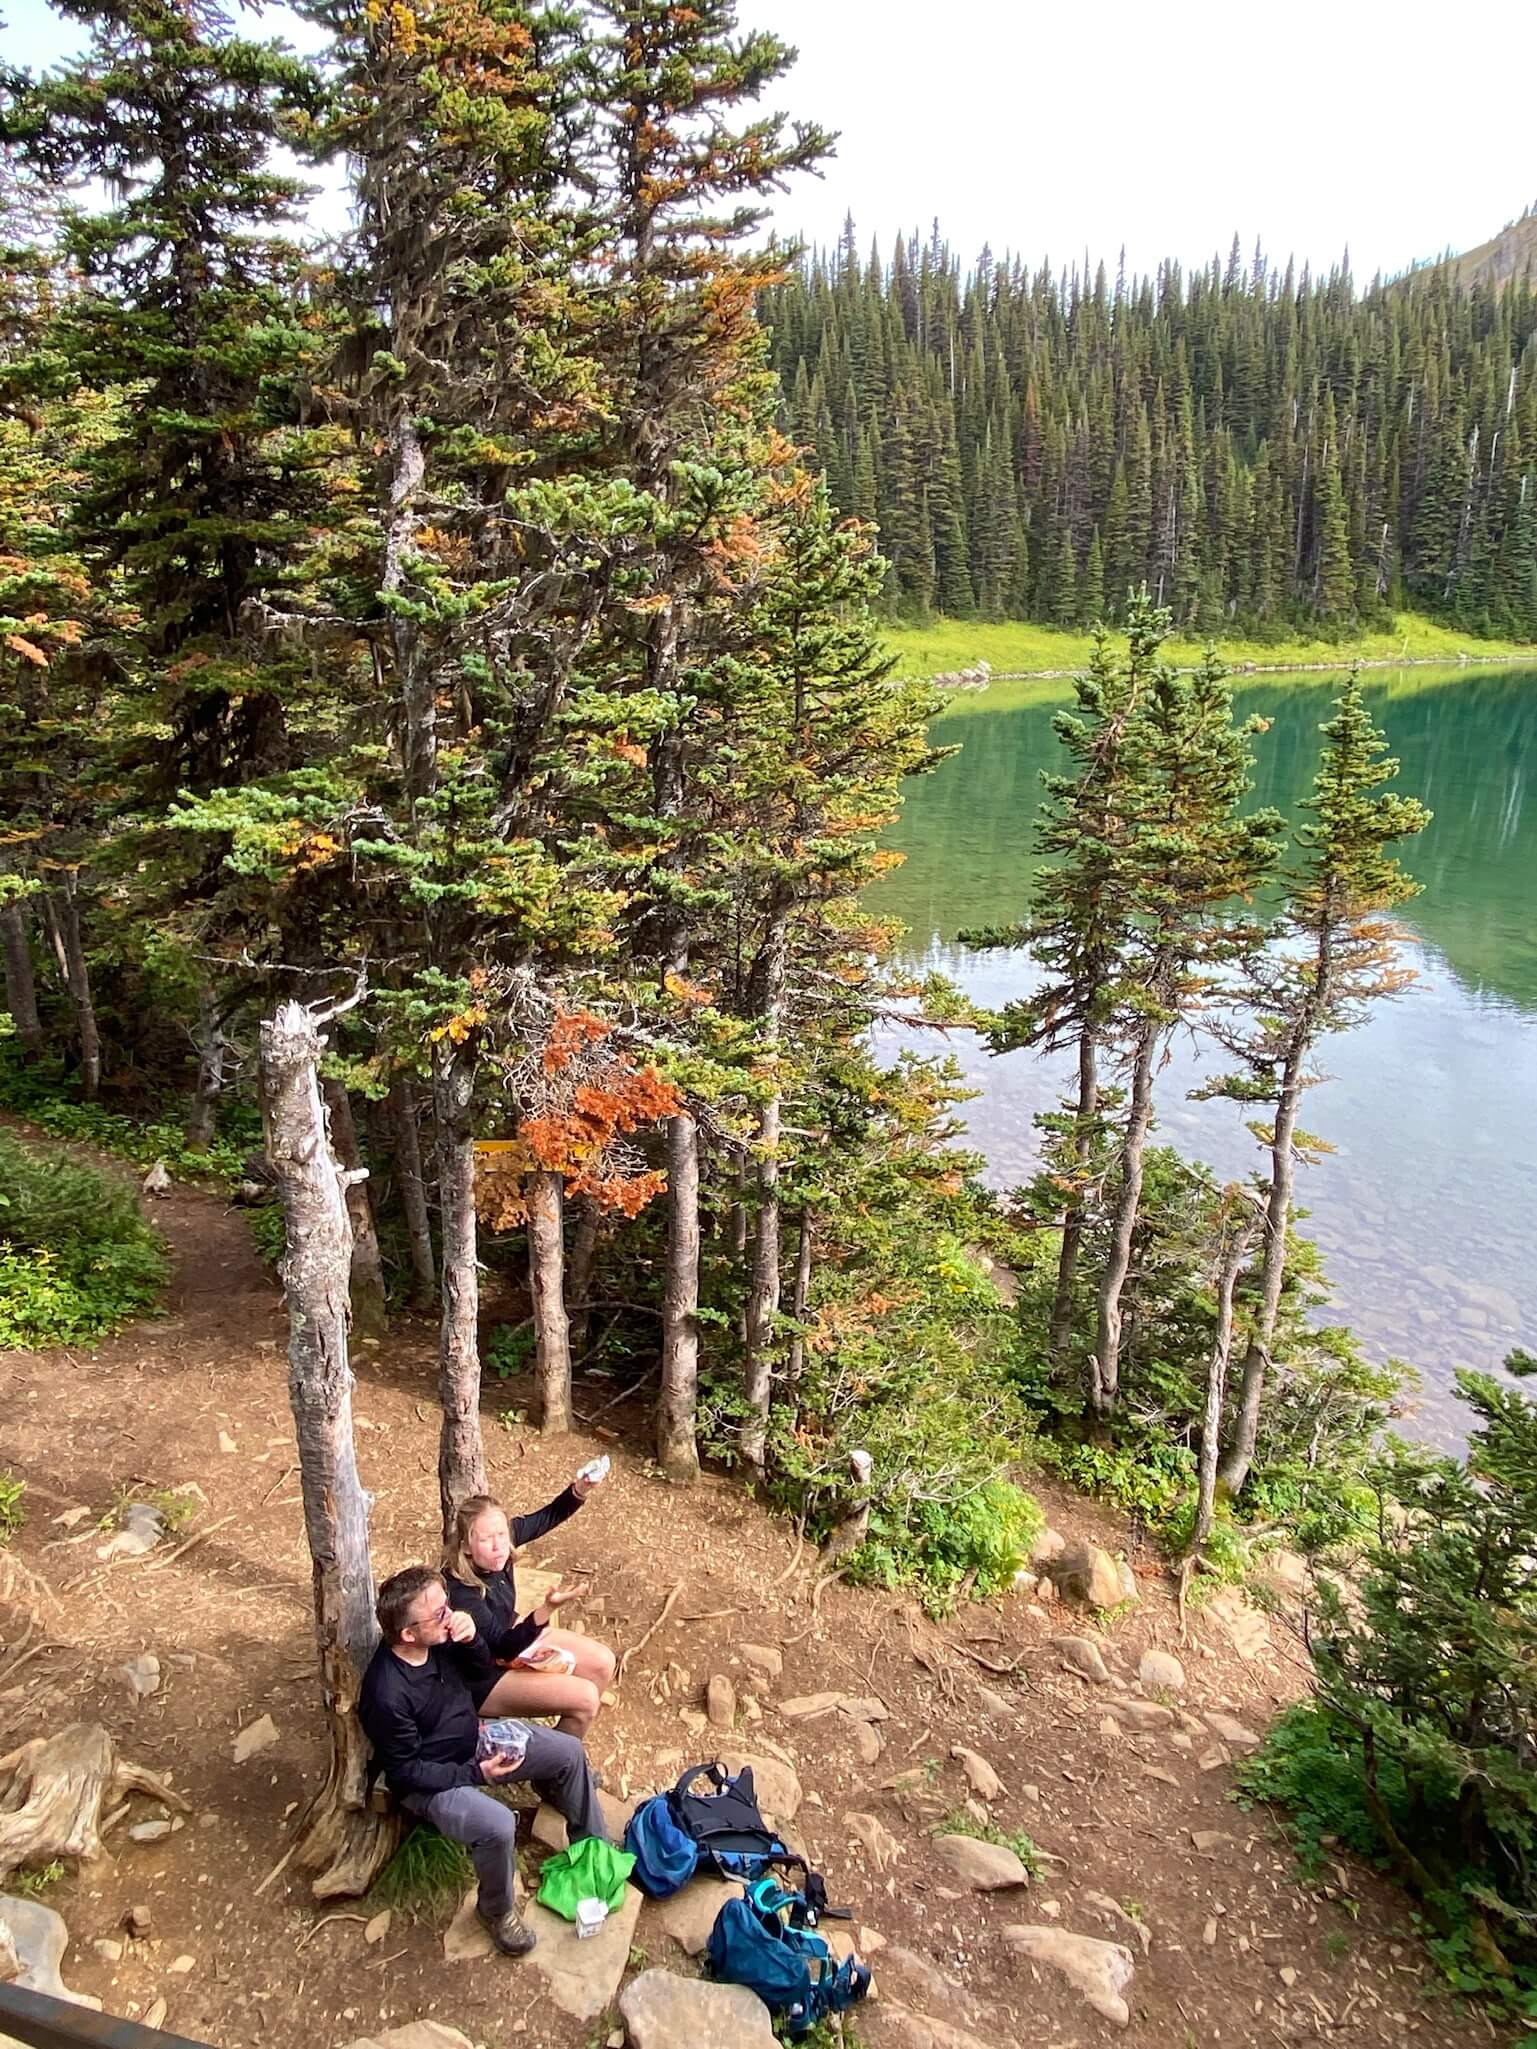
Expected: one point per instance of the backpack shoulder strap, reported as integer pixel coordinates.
(712, 1771)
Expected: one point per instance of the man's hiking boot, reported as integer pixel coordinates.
(511, 1934)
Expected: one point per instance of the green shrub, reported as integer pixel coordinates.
(77, 1258)
(47, 1099)
(1420, 1749)
(12, 1514)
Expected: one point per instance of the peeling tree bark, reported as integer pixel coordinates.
(370, 1316)
(546, 1281)
(20, 982)
(413, 1192)
(340, 1838)
(800, 1302)
(763, 1294)
(461, 1454)
(1075, 1216)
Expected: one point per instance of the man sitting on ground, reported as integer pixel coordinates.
(418, 1710)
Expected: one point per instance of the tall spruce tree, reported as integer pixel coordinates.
(1333, 953)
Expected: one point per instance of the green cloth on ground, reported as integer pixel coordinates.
(590, 1870)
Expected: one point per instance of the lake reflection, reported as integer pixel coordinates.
(1425, 1210)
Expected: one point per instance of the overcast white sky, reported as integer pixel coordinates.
(1402, 127)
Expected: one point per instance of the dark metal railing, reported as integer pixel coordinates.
(43, 2022)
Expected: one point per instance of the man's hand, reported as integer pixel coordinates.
(563, 1596)
(494, 1769)
(461, 1627)
(581, 1487)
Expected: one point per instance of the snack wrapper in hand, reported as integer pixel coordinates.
(546, 1657)
(505, 1740)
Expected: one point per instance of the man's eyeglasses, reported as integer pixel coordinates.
(439, 1614)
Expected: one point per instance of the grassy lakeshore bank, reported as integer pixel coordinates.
(1017, 648)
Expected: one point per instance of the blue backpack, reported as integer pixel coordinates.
(768, 1943)
(678, 1833)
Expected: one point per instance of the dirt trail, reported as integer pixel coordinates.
(1237, 1951)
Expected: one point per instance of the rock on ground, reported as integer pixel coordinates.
(1246, 1627)
(254, 1738)
(688, 1916)
(870, 1831)
(1161, 1672)
(414, 2035)
(550, 1824)
(1101, 1971)
(763, 1660)
(980, 1776)
(775, 1783)
(663, 2011)
(39, 1938)
(582, 1977)
(1143, 1717)
(985, 1867)
(1233, 1732)
(1088, 1574)
(906, 2030)
(1082, 1657)
(720, 1702)
(467, 1937)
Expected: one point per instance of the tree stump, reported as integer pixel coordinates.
(57, 1787)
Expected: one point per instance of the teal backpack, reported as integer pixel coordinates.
(768, 1942)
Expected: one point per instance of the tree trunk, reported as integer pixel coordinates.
(20, 983)
(418, 698)
(1239, 1238)
(1105, 1366)
(763, 1294)
(461, 1455)
(1075, 1216)
(340, 1838)
(677, 1451)
(370, 1315)
(211, 1048)
(546, 1283)
(582, 1275)
(800, 1302)
(1256, 1359)
(77, 979)
(413, 1191)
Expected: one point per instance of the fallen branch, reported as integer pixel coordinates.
(795, 1555)
(990, 1664)
(160, 1564)
(635, 1649)
(310, 1933)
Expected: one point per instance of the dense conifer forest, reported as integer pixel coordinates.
(1264, 448)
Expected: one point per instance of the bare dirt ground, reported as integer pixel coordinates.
(1238, 1951)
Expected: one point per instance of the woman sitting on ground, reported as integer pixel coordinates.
(548, 1671)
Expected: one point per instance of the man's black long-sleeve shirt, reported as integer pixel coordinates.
(493, 1606)
(421, 1719)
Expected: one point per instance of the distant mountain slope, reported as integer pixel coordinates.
(1510, 254)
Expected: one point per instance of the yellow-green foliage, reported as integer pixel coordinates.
(1017, 647)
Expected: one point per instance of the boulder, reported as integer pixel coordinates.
(1101, 1971)
(1235, 1734)
(1142, 1717)
(35, 1941)
(985, 1867)
(414, 2035)
(720, 1702)
(688, 1916)
(1088, 1574)
(1246, 1627)
(867, 1742)
(777, 1787)
(805, 1705)
(1161, 1672)
(581, 1978)
(907, 2030)
(980, 1776)
(663, 2011)
(550, 1825)
(467, 1937)
(1080, 1656)
(1048, 1546)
